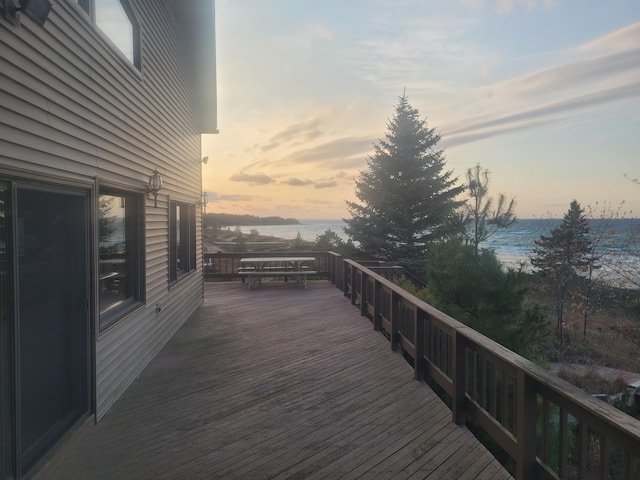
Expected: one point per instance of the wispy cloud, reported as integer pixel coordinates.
(307, 35)
(622, 66)
(252, 179)
(345, 152)
(489, 126)
(296, 182)
(216, 197)
(505, 7)
(622, 39)
(558, 92)
(328, 184)
(304, 131)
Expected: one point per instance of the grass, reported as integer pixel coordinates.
(612, 336)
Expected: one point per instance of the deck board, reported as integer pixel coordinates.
(278, 383)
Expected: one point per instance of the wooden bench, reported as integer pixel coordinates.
(258, 274)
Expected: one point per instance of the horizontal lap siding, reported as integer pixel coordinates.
(73, 107)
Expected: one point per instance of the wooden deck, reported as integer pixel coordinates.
(277, 383)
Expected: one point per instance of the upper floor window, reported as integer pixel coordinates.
(117, 21)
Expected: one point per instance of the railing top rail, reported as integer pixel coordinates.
(271, 254)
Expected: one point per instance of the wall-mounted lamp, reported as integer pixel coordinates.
(205, 200)
(36, 10)
(205, 160)
(154, 186)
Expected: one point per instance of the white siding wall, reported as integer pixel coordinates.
(72, 107)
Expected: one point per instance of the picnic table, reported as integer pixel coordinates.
(256, 268)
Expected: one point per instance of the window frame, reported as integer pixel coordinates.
(186, 249)
(135, 242)
(89, 7)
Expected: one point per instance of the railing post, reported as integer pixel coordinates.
(418, 340)
(348, 282)
(525, 427)
(395, 314)
(459, 364)
(363, 293)
(377, 306)
(339, 265)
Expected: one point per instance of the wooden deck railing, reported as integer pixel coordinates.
(551, 429)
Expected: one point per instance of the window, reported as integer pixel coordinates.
(116, 20)
(120, 255)
(182, 240)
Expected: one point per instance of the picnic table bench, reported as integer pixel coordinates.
(256, 268)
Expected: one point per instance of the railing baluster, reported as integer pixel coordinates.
(563, 446)
(546, 435)
(604, 457)
(583, 454)
(395, 316)
(459, 379)
(525, 427)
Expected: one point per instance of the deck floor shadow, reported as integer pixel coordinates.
(278, 383)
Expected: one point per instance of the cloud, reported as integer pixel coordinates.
(252, 179)
(403, 50)
(296, 182)
(334, 153)
(473, 4)
(328, 184)
(488, 126)
(505, 7)
(622, 39)
(304, 131)
(554, 93)
(317, 201)
(307, 36)
(475, 136)
(216, 197)
(624, 65)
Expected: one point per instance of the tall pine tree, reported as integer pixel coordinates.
(564, 255)
(406, 195)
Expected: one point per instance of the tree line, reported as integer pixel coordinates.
(230, 219)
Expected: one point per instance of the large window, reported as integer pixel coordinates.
(116, 20)
(182, 239)
(120, 250)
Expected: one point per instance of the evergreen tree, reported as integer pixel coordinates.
(475, 290)
(563, 256)
(406, 195)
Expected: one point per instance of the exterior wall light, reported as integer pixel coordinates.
(205, 200)
(154, 186)
(36, 10)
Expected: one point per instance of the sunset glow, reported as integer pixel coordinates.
(545, 94)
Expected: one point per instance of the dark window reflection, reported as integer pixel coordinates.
(6, 451)
(120, 254)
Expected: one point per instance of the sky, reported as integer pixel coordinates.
(543, 94)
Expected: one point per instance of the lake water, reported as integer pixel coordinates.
(512, 245)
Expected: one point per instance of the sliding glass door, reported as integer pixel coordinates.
(44, 321)
(7, 453)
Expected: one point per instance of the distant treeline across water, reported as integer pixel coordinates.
(229, 219)
(512, 245)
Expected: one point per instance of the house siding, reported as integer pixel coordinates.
(72, 108)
